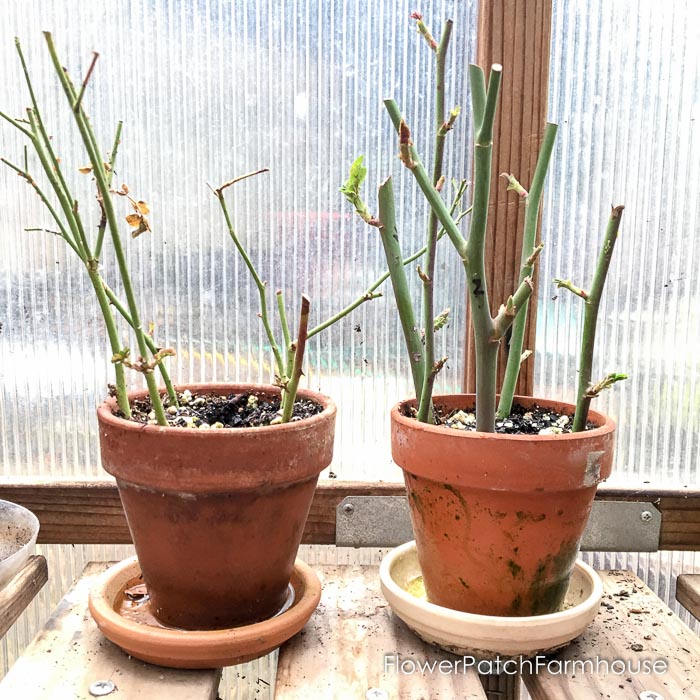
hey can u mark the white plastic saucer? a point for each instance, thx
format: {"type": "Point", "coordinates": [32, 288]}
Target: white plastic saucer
{"type": "Point", "coordinates": [19, 528]}
{"type": "Point", "coordinates": [486, 636]}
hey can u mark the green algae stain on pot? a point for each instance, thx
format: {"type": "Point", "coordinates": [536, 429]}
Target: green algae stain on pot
{"type": "Point", "coordinates": [524, 516]}
{"type": "Point", "coordinates": [497, 515]}
{"type": "Point", "coordinates": [417, 503]}
{"type": "Point", "coordinates": [551, 580]}
{"type": "Point", "coordinates": [515, 568]}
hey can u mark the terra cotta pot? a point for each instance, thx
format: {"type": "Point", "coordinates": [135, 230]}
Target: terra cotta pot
{"type": "Point", "coordinates": [217, 516]}
{"type": "Point", "coordinates": [498, 519]}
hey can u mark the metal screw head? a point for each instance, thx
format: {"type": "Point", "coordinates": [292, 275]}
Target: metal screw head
{"type": "Point", "coordinates": [646, 516]}
{"type": "Point", "coordinates": [650, 695]}
{"type": "Point", "coordinates": [99, 688]}
{"type": "Point", "coordinates": [347, 509]}
{"type": "Point", "coordinates": [376, 694]}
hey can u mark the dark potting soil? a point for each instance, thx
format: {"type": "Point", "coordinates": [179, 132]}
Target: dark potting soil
{"type": "Point", "coordinates": [521, 421]}
{"type": "Point", "coordinates": [221, 411]}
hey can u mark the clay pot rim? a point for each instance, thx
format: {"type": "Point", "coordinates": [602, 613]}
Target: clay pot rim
{"type": "Point", "coordinates": [605, 423]}
{"type": "Point", "coordinates": [105, 411]}
{"type": "Point", "coordinates": [121, 629]}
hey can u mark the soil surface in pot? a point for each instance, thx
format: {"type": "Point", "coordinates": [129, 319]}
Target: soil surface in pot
{"type": "Point", "coordinates": [521, 421]}
{"type": "Point", "coordinates": [217, 411]}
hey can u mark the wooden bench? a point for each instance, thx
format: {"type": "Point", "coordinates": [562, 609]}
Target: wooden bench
{"type": "Point", "coordinates": [21, 590]}
{"type": "Point", "coordinates": [70, 654]}
{"type": "Point", "coordinates": [633, 625]}
{"type": "Point", "coordinates": [341, 652]}
{"type": "Point", "coordinates": [688, 593]}
{"type": "Point", "coordinates": [353, 643]}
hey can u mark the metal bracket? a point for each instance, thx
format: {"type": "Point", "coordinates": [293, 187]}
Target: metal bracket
{"type": "Point", "coordinates": [384, 521]}
{"type": "Point", "coordinates": [622, 526]}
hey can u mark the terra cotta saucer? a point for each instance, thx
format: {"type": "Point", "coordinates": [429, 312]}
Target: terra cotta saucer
{"type": "Point", "coordinates": [176, 648]}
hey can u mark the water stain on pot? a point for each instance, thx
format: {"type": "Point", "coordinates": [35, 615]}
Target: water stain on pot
{"type": "Point", "coordinates": [455, 492]}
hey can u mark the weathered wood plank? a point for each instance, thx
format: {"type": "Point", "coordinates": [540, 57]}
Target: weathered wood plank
{"type": "Point", "coordinates": [19, 592]}
{"type": "Point", "coordinates": [70, 653]}
{"type": "Point", "coordinates": [517, 35]}
{"type": "Point", "coordinates": [682, 516]}
{"type": "Point", "coordinates": [633, 626]}
{"type": "Point", "coordinates": [90, 512]}
{"type": "Point", "coordinates": [688, 593]}
{"type": "Point", "coordinates": [341, 651]}
{"type": "Point", "coordinates": [72, 511]}
{"type": "Point", "coordinates": [681, 536]}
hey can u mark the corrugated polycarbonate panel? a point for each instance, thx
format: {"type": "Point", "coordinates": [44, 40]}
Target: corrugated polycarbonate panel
{"type": "Point", "coordinates": [625, 89]}
{"type": "Point", "coordinates": [209, 91]}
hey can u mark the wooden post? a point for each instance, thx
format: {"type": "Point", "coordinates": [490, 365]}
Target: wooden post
{"type": "Point", "coordinates": [515, 33]}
